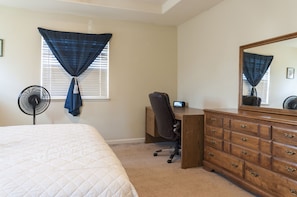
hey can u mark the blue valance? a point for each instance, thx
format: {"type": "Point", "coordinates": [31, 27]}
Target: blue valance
{"type": "Point", "coordinates": [254, 68]}
{"type": "Point", "coordinates": [75, 52]}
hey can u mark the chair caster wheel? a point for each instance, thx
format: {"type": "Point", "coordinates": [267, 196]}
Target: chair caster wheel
{"type": "Point", "coordinates": [155, 154]}
{"type": "Point", "coordinates": [169, 161]}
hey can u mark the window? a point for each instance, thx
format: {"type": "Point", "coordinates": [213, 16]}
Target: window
{"type": "Point", "coordinates": [93, 83]}
{"type": "Point", "coordinates": [262, 87]}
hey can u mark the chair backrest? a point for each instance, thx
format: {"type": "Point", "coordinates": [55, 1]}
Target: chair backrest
{"type": "Point", "coordinates": [165, 118]}
{"type": "Point", "coordinates": [251, 100]}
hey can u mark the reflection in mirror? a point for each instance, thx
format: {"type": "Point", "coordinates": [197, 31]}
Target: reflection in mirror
{"type": "Point", "coordinates": [256, 74]}
{"type": "Point", "coordinates": [290, 102]}
{"type": "Point", "coordinates": [277, 81]}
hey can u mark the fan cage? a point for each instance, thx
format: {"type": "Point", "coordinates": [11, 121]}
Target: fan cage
{"type": "Point", "coordinates": [290, 103]}
{"type": "Point", "coordinates": [36, 91]}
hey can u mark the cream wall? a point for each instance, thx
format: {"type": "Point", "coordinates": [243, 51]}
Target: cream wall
{"type": "Point", "coordinates": [208, 47]}
{"type": "Point", "coordinates": [143, 58]}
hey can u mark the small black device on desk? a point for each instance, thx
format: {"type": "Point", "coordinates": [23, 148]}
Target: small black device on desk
{"type": "Point", "coordinates": [179, 104]}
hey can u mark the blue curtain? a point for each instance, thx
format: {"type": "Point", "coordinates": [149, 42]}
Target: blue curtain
{"type": "Point", "coordinates": [75, 52]}
{"type": "Point", "coordinates": [254, 68]}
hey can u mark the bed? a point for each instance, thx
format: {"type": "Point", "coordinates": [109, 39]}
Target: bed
{"type": "Point", "coordinates": [59, 160]}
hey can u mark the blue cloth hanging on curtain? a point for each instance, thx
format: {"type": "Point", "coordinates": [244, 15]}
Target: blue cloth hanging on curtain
{"type": "Point", "coordinates": [75, 52]}
{"type": "Point", "coordinates": [254, 68]}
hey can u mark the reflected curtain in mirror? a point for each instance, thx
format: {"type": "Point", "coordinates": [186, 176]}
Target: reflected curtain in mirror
{"type": "Point", "coordinates": [254, 68]}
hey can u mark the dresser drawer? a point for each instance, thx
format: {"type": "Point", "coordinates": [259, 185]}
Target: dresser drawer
{"type": "Point", "coordinates": [227, 122]}
{"type": "Point", "coordinates": [224, 160]}
{"type": "Point", "coordinates": [227, 147]}
{"type": "Point", "coordinates": [213, 142]}
{"type": "Point", "coordinates": [265, 131]}
{"type": "Point", "coordinates": [286, 136]}
{"type": "Point", "coordinates": [245, 140]}
{"type": "Point", "coordinates": [265, 146]}
{"type": "Point", "coordinates": [246, 154]}
{"type": "Point", "coordinates": [260, 177]}
{"type": "Point", "coordinates": [246, 127]}
{"type": "Point", "coordinates": [270, 181]}
{"type": "Point", "coordinates": [214, 120]}
{"type": "Point", "coordinates": [214, 131]}
{"type": "Point", "coordinates": [286, 168]}
{"type": "Point", "coordinates": [265, 161]}
{"type": "Point", "coordinates": [286, 152]}
{"type": "Point", "coordinates": [227, 135]}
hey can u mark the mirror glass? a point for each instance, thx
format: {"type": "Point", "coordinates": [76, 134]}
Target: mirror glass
{"type": "Point", "coordinates": [280, 79]}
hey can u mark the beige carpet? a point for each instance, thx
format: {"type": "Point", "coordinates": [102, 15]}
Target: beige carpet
{"type": "Point", "coordinates": [153, 177]}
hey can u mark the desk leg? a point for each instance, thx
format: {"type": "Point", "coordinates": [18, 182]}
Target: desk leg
{"type": "Point", "coordinates": [192, 141]}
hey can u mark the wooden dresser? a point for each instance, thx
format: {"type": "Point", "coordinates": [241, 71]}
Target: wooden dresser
{"type": "Point", "coordinates": [257, 151]}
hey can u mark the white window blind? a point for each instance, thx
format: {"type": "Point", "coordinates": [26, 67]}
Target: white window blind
{"type": "Point", "coordinates": [93, 83]}
{"type": "Point", "coordinates": [262, 87]}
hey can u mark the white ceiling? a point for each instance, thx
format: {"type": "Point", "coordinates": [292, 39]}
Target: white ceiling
{"type": "Point", "coordinates": [163, 12]}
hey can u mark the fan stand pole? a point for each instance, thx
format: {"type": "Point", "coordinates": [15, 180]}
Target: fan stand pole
{"type": "Point", "coordinates": [34, 115]}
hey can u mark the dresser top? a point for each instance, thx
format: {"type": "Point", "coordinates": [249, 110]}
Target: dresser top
{"type": "Point", "coordinates": [278, 118]}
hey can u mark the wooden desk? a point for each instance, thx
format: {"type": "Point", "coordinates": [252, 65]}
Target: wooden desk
{"type": "Point", "coordinates": [192, 121]}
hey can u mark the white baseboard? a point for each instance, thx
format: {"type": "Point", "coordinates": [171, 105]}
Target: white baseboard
{"type": "Point", "coordinates": [126, 141]}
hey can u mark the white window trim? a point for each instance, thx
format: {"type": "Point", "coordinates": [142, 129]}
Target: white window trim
{"type": "Point", "coordinates": [263, 94]}
{"type": "Point", "coordinates": [105, 53]}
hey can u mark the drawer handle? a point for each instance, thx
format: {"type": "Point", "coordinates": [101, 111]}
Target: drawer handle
{"type": "Point", "coordinates": [213, 119]}
{"type": "Point", "coordinates": [210, 154]}
{"type": "Point", "coordinates": [253, 173]}
{"type": "Point", "coordinates": [244, 139]}
{"type": "Point", "coordinates": [213, 131]}
{"type": "Point", "coordinates": [289, 135]}
{"type": "Point", "coordinates": [289, 152]}
{"type": "Point", "coordinates": [290, 169]}
{"type": "Point", "coordinates": [244, 152]}
{"type": "Point", "coordinates": [293, 191]}
{"type": "Point", "coordinates": [213, 142]}
{"type": "Point", "coordinates": [243, 126]}
{"type": "Point", "coordinates": [234, 165]}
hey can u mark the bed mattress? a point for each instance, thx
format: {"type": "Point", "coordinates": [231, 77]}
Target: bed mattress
{"type": "Point", "coordinates": [59, 160]}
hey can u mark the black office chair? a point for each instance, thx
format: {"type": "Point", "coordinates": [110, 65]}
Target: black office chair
{"type": "Point", "coordinates": [251, 100]}
{"type": "Point", "coordinates": [168, 127]}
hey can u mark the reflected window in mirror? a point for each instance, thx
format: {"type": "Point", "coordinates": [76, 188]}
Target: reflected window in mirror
{"type": "Point", "coordinates": [262, 87]}
{"type": "Point", "coordinates": [256, 75]}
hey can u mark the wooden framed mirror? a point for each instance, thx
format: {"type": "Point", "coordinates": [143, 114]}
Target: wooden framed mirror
{"type": "Point", "coordinates": [281, 80]}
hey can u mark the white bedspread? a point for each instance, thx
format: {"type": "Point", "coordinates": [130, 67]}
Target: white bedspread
{"type": "Point", "coordinates": [59, 160]}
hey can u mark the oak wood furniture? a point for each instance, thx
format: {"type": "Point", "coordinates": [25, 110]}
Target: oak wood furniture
{"type": "Point", "coordinates": [192, 121]}
{"type": "Point", "coordinates": [256, 150]}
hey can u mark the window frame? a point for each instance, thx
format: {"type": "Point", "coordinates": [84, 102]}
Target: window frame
{"type": "Point", "coordinates": [100, 64]}
{"type": "Point", "coordinates": [265, 82]}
